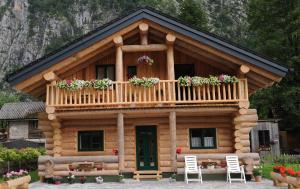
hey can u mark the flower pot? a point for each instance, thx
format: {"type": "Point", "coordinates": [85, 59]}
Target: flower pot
{"type": "Point", "coordinates": [21, 181]}
{"type": "Point", "coordinates": [99, 180]}
{"type": "Point", "coordinates": [210, 167]}
{"type": "Point", "coordinates": [257, 178]}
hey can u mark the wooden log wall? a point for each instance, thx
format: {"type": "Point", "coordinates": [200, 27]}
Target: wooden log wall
{"type": "Point", "coordinates": [69, 136]}
{"type": "Point", "coordinates": [248, 159]}
{"type": "Point", "coordinates": [244, 121]}
{"type": "Point", "coordinates": [45, 126]}
{"type": "Point", "coordinates": [158, 69]}
{"type": "Point", "coordinates": [70, 128]}
{"type": "Point", "coordinates": [224, 129]}
{"type": "Point", "coordinates": [60, 166]}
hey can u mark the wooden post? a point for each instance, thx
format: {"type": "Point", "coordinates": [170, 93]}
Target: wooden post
{"type": "Point", "coordinates": [144, 33]}
{"type": "Point", "coordinates": [170, 39]}
{"type": "Point", "coordinates": [119, 57]}
{"type": "Point", "coordinates": [56, 138]}
{"type": "Point", "coordinates": [172, 124]}
{"type": "Point", "coordinates": [241, 74]}
{"type": "Point", "coordinates": [120, 125]}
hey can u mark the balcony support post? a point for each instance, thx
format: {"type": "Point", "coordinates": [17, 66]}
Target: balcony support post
{"type": "Point", "coordinates": [57, 149]}
{"type": "Point", "coordinates": [172, 125]}
{"type": "Point", "coordinates": [144, 33]}
{"type": "Point", "coordinates": [243, 87]}
{"type": "Point", "coordinates": [120, 125]}
{"type": "Point", "coordinates": [170, 39]}
{"type": "Point", "coordinates": [119, 57]}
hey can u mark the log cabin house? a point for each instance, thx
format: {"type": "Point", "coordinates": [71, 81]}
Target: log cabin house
{"type": "Point", "coordinates": [126, 128]}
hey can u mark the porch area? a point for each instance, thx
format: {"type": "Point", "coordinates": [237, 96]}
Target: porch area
{"type": "Point", "coordinates": [144, 139]}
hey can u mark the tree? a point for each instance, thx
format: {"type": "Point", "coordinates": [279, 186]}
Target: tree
{"type": "Point", "coordinates": [275, 27]}
{"type": "Point", "coordinates": [193, 13]}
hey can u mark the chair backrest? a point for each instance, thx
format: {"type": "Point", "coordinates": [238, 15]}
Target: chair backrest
{"type": "Point", "coordinates": [190, 163]}
{"type": "Point", "coordinates": [233, 163]}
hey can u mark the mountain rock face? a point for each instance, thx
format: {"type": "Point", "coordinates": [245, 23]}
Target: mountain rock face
{"type": "Point", "coordinates": [31, 28]}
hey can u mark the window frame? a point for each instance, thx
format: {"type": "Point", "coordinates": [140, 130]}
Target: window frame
{"type": "Point", "coordinates": [105, 66]}
{"type": "Point", "coordinates": [101, 149]}
{"type": "Point", "coordinates": [195, 148]}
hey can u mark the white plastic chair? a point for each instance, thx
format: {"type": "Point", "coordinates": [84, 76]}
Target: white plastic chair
{"type": "Point", "coordinates": [192, 168]}
{"type": "Point", "coordinates": [233, 166]}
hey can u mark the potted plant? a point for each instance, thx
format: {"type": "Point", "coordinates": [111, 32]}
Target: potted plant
{"type": "Point", "coordinates": [15, 179]}
{"type": "Point", "coordinates": [121, 178]}
{"type": "Point", "coordinates": [145, 60]}
{"type": "Point", "coordinates": [71, 178]}
{"type": "Point", "coordinates": [57, 180]}
{"type": "Point", "coordinates": [185, 81]}
{"type": "Point", "coordinates": [115, 151]}
{"type": "Point", "coordinates": [99, 180]}
{"type": "Point", "coordinates": [178, 150]}
{"type": "Point", "coordinates": [82, 179]}
{"type": "Point", "coordinates": [173, 177]}
{"type": "Point", "coordinates": [211, 165]}
{"type": "Point", "coordinates": [257, 173]}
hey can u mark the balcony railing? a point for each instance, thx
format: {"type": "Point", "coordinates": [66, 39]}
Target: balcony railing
{"type": "Point", "coordinates": [166, 92]}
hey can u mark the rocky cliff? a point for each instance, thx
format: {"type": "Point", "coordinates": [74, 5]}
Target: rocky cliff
{"type": "Point", "coordinates": [31, 28]}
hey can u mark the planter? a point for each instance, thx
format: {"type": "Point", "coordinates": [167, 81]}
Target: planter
{"type": "Point", "coordinates": [257, 178]}
{"type": "Point", "coordinates": [210, 167]}
{"type": "Point", "coordinates": [18, 183]}
{"type": "Point", "coordinates": [279, 180]}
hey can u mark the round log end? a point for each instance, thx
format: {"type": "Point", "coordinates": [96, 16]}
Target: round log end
{"type": "Point", "coordinates": [143, 28]}
{"type": "Point", "coordinates": [170, 38]}
{"type": "Point", "coordinates": [118, 40]}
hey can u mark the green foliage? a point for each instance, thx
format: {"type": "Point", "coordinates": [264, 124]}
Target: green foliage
{"type": "Point", "coordinates": [6, 97]}
{"type": "Point", "coordinates": [192, 12]}
{"type": "Point", "coordinates": [283, 159]}
{"type": "Point", "coordinates": [275, 29]}
{"type": "Point", "coordinates": [26, 154]}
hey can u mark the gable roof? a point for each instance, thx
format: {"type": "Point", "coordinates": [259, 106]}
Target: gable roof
{"type": "Point", "coordinates": [159, 18]}
{"type": "Point", "coordinates": [21, 110]}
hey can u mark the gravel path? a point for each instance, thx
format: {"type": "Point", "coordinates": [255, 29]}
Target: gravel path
{"type": "Point", "coordinates": [162, 184]}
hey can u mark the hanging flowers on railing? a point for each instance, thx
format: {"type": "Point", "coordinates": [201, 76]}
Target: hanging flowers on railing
{"type": "Point", "coordinates": [187, 81]}
{"type": "Point", "coordinates": [145, 60]}
{"type": "Point", "coordinates": [228, 79]}
{"type": "Point", "coordinates": [144, 81]}
{"type": "Point", "coordinates": [73, 85]}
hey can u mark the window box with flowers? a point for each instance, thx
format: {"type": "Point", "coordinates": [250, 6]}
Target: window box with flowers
{"type": "Point", "coordinates": [282, 175]}
{"type": "Point", "coordinates": [16, 179]}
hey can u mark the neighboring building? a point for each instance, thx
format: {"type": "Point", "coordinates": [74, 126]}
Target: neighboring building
{"type": "Point", "coordinates": [21, 123]}
{"type": "Point", "coordinates": [265, 138]}
{"type": "Point", "coordinates": [126, 128]}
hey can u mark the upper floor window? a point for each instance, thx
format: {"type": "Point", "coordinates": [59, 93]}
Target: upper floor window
{"type": "Point", "coordinates": [90, 141]}
{"type": "Point", "coordinates": [131, 71]}
{"type": "Point", "coordinates": [203, 138]}
{"type": "Point", "coordinates": [105, 71]}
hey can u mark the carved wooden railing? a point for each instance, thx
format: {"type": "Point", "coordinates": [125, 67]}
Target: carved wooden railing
{"type": "Point", "coordinates": [124, 94]}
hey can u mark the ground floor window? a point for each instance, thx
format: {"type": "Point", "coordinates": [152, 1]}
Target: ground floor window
{"type": "Point", "coordinates": [90, 141]}
{"type": "Point", "coordinates": [202, 138]}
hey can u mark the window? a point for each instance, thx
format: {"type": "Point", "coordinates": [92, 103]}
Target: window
{"type": "Point", "coordinates": [105, 71]}
{"type": "Point", "coordinates": [90, 141]}
{"type": "Point", "coordinates": [131, 71]}
{"type": "Point", "coordinates": [203, 138]}
{"type": "Point", "coordinates": [33, 131]}
{"type": "Point", "coordinates": [264, 138]}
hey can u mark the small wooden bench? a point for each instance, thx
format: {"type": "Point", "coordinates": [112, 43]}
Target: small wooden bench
{"type": "Point", "coordinates": [147, 175]}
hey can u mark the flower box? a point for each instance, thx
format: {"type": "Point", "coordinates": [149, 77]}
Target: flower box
{"type": "Point", "coordinates": [279, 180]}
{"type": "Point", "coordinates": [18, 183]}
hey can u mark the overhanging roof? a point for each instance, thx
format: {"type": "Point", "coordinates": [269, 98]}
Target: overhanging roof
{"type": "Point", "coordinates": [156, 17]}
{"type": "Point", "coordinates": [21, 110]}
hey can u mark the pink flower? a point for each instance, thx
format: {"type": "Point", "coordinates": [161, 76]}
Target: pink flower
{"type": "Point", "coordinates": [68, 82]}
{"type": "Point", "coordinates": [222, 77]}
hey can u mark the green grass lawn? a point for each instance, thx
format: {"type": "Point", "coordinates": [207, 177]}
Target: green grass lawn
{"type": "Point", "coordinates": [267, 168]}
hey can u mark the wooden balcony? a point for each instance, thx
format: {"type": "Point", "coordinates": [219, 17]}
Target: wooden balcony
{"type": "Point", "coordinates": [165, 93]}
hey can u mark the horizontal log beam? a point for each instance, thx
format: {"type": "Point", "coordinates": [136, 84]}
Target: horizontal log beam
{"type": "Point", "coordinates": [71, 159]}
{"type": "Point", "coordinates": [142, 48]}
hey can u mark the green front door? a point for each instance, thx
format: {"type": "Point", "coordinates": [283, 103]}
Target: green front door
{"type": "Point", "coordinates": [146, 148]}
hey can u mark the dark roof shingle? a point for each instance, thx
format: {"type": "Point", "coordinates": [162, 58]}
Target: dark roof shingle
{"type": "Point", "coordinates": [21, 110]}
